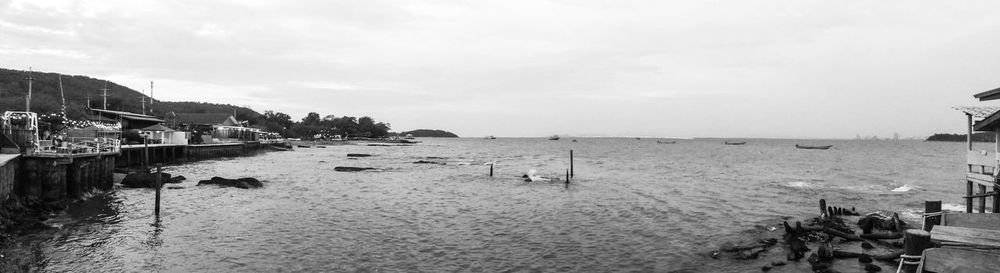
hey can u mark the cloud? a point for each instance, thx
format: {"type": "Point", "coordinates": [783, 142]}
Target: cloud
{"type": "Point", "coordinates": [528, 60]}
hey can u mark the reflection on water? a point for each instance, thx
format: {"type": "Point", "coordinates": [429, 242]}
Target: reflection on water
{"type": "Point", "coordinates": [634, 206]}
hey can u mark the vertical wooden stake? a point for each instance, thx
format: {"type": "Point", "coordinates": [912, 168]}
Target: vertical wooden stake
{"type": "Point", "coordinates": [567, 179]}
{"type": "Point", "coordinates": [822, 206]}
{"type": "Point", "coordinates": [491, 169]}
{"type": "Point", "coordinates": [931, 207]}
{"type": "Point", "coordinates": [158, 173]}
{"type": "Point", "coordinates": [145, 153]}
{"type": "Point", "coordinates": [570, 163]}
{"type": "Point", "coordinates": [968, 199]}
{"type": "Point", "coordinates": [914, 243]}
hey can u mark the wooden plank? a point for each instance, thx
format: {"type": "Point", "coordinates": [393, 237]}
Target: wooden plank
{"type": "Point", "coordinates": [972, 220]}
{"type": "Point", "coordinates": [981, 158]}
{"type": "Point", "coordinates": [964, 235]}
{"type": "Point", "coordinates": [960, 260]}
{"type": "Point", "coordinates": [982, 179]}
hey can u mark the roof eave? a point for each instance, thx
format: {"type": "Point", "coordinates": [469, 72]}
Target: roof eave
{"type": "Point", "coordinates": [988, 95]}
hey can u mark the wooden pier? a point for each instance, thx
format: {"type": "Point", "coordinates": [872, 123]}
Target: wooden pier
{"type": "Point", "coordinates": [981, 180]}
{"type": "Point", "coordinates": [53, 178]}
{"type": "Point", "coordinates": [965, 242]}
{"type": "Point", "coordinates": [133, 155]}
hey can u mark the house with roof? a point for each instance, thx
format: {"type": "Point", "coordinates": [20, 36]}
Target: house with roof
{"type": "Point", "coordinates": [129, 120]}
{"type": "Point", "coordinates": [212, 127]}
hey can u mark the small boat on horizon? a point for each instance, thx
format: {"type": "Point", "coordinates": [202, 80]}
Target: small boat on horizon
{"type": "Point", "coordinates": [809, 147]}
{"type": "Point", "coordinates": [736, 143]}
{"type": "Point", "coordinates": [491, 137]}
{"type": "Point", "coordinates": [666, 142]}
{"type": "Point", "coordinates": [554, 137]}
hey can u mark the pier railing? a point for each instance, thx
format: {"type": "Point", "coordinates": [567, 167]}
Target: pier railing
{"type": "Point", "coordinates": [79, 145]}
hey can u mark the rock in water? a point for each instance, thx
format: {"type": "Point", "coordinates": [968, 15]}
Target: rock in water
{"type": "Point", "coordinates": [865, 259]}
{"type": "Point", "coordinates": [243, 183]}
{"type": "Point", "coordinates": [144, 180]}
{"type": "Point", "coordinates": [177, 179]}
{"type": "Point", "coordinates": [351, 169]}
{"type": "Point", "coordinates": [358, 155]}
{"type": "Point", "coordinates": [872, 268]}
{"type": "Point", "coordinates": [429, 162]}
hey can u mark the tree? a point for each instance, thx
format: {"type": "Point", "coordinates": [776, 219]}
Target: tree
{"type": "Point", "coordinates": [311, 119]}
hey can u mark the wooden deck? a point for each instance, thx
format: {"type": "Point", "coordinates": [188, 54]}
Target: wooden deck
{"type": "Point", "coordinates": [966, 236]}
{"type": "Point", "coordinates": [970, 242]}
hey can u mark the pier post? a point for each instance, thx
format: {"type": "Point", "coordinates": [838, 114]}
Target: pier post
{"type": "Point", "coordinates": [570, 163]}
{"type": "Point", "coordinates": [996, 199]}
{"type": "Point", "coordinates": [931, 207]}
{"type": "Point", "coordinates": [969, 193]}
{"type": "Point", "coordinates": [914, 243]}
{"type": "Point", "coordinates": [156, 211]}
{"type": "Point", "coordinates": [145, 152]}
{"type": "Point", "coordinates": [491, 169]}
{"type": "Point", "coordinates": [74, 180]}
{"type": "Point", "coordinates": [822, 207]}
{"type": "Point", "coordinates": [982, 200]}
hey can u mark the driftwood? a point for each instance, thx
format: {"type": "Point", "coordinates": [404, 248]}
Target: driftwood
{"type": "Point", "coordinates": [883, 236]}
{"type": "Point", "coordinates": [841, 234]}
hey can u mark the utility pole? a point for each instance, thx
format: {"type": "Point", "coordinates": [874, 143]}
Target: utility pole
{"type": "Point", "coordinates": [150, 97]}
{"type": "Point", "coordinates": [88, 100]}
{"type": "Point", "coordinates": [105, 94]}
{"type": "Point", "coordinates": [27, 99]}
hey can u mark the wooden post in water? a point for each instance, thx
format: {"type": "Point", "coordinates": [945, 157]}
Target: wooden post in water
{"type": "Point", "coordinates": [968, 199]}
{"type": "Point", "coordinates": [158, 173]}
{"type": "Point", "coordinates": [491, 169]}
{"type": "Point", "coordinates": [145, 153]}
{"type": "Point", "coordinates": [822, 207]}
{"type": "Point", "coordinates": [567, 178]}
{"type": "Point", "coordinates": [570, 163]}
{"type": "Point", "coordinates": [914, 243]}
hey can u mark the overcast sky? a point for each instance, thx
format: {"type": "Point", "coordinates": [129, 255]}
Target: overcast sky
{"type": "Point", "coordinates": [810, 69]}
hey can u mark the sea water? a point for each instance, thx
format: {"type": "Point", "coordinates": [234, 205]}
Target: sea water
{"type": "Point", "coordinates": [632, 205]}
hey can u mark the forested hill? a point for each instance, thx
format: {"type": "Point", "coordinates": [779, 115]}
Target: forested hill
{"type": "Point", "coordinates": [429, 133]}
{"type": "Point", "coordinates": [45, 96]}
{"type": "Point", "coordinates": [977, 137]}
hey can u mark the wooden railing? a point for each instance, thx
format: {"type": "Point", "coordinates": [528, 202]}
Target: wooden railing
{"type": "Point", "coordinates": [982, 173]}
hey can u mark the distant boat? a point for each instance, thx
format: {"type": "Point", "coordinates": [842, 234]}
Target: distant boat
{"type": "Point", "coordinates": [666, 142]}
{"type": "Point", "coordinates": [822, 147]}
{"type": "Point", "coordinates": [554, 137]}
{"type": "Point", "coordinates": [491, 137]}
{"type": "Point", "coordinates": [574, 140]}
{"type": "Point", "coordinates": [637, 138]}
{"type": "Point", "coordinates": [409, 136]}
{"type": "Point", "coordinates": [735, 143]}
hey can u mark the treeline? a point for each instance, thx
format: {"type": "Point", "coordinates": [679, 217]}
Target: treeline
{"type": "Point", "coordinates": [977, 137]}
{"type": "Point", "coordinates": [312, 126]}
{"type": "Point", "coordinates": [429, 133]}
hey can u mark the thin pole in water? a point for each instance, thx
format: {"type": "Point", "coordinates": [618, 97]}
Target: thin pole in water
{"type": "Point", "coordinates": [567, 179]}
{"type": "Point", "coordinates": [158, 173]}
{"type": "Point", "coordinates": [491, 169]}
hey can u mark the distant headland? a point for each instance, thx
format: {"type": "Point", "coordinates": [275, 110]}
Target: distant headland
{"type": "Point", "coordinates": [429, 133]}
{"type": "Point", "coordinates": [977, 137]}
